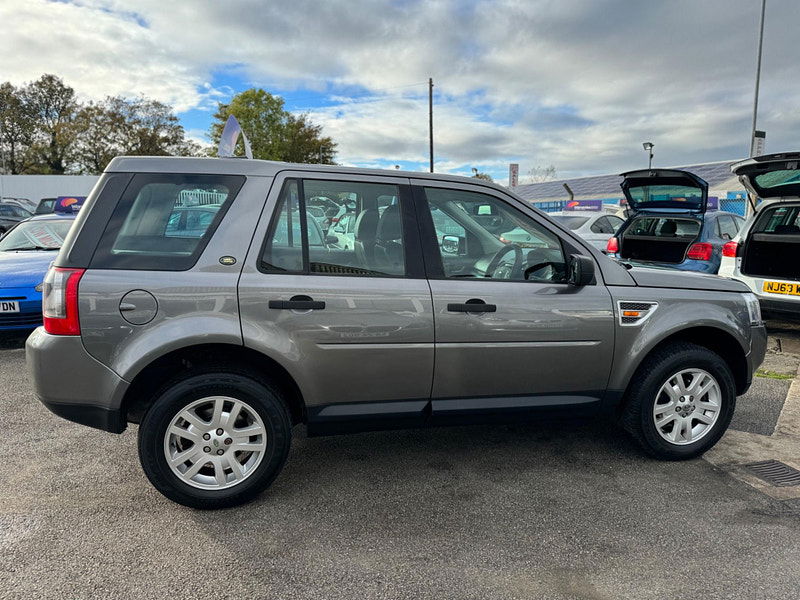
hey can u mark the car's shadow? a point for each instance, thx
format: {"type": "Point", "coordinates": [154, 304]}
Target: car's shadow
{"type": "Point", "coordinates": [13, 340]}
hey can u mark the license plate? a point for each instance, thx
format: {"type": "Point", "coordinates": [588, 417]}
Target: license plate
{"type": "Point", "coordinates": [9, 306]}
{"type": "Point", "coordinates": [778, 287]}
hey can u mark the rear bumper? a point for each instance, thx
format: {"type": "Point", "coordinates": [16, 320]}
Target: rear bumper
{"type": "Point", "coordinates": [780, 308]}
{"type": "Point", "coordinates": [74, 385]}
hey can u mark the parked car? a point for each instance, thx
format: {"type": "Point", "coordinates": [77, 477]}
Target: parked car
{"type": "Point", "coordinates": [669, 224]}
{"type": "Point", "coordinates": [10, 215]}
{"type": "Point", "coordinates": [596, 227]}
{"type": "Point", "coordinates": [24, 203]}
{"type": "Point", "coordinates": [765, 255]}
{"type": "Point", "coordinates": [45, 206]}
{"type": "Point", "coordinates": [26, 252]}
{"type": "Point", "coordinates": [218, 345]}
{"type": "Point", "coordinates": [190, 221]}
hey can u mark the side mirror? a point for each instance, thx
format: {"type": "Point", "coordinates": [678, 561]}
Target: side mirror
{"type": "Point", "coordinates": [581, 270]}
{"type": "Point", "coordinates": [331, 239]}
{"type": "Point", "coordinates": [453, 244]}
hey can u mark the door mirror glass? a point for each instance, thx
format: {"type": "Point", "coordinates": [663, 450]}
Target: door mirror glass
{"type": "Point", "coordinates": [453, 244]}
{"type": "Point", "coordinates": [581, 270]}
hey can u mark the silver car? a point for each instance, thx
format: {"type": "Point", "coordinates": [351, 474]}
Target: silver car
{"type": "Point", "coordinates": [217, 345]}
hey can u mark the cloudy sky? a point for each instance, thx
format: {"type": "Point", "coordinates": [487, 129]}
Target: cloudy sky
{"type": "Point", "coordinates": [578, 84]}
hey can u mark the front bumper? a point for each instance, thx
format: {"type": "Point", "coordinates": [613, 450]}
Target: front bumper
{"type": "Point", "coordinates": [73, 384]}
{"type": "Point", "coordinates": [30, 309]}
{"type": "Point", "coordinates": [758, 349]}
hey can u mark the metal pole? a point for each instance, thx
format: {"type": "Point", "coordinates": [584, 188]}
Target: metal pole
{"type": "Point", "coordinates": [650, 160]}
{"type": "Point", "coordinates": [758, 78]}
{"type": "Point", "coordinates": [430, 118]}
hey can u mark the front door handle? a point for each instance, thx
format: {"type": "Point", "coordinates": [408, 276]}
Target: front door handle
{"type": "Point", "coordinates": [297, 303]}
{"type": "Point", "coordinates": [474, 305]}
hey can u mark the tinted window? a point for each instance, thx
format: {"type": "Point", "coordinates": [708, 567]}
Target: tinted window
{"type": "Point", "coordinates": [481, 236]}
{"type": "Point", "coordinates": [163, 222]}
{"type": "Point", "coordinates": [366, 239]}
{"type": "Point", "coordinates": [782, 220]}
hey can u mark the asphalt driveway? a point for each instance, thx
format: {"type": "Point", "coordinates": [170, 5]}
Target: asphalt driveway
{"type": "Point", "coordinates": [527, 511]}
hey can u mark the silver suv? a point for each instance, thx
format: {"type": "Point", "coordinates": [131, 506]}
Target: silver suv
{"type": "Point", "coordinates": [219, 338]}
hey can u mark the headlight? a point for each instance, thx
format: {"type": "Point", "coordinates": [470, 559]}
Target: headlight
{"type": "Point", "coordinates": [39, 287]}
{"type": "Point", "coordinates": [753, 308]}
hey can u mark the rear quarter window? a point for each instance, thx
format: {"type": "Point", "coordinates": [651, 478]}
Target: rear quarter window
{"type": "Point", "coordinates": [163, 222]}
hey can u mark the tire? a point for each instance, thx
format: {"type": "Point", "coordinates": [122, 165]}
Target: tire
{"type": "Point", "coordinates": [267, 438]}
{"type": "Point", "coordinates": [689, 424]}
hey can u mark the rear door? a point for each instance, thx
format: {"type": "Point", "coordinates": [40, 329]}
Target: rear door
{"type": "Point", "coordinates": [506, 340]}
{"type": "Point", "coordinates": [353, 324]}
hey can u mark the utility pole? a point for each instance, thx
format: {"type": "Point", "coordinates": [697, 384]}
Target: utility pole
{"type": "Point", "coordinates": [758, 78]}
{"type": "Point", "coordinates": [430, 117]}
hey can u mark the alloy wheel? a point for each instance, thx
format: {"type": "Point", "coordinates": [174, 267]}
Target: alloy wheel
{"type": "Point", "coordinates": [215, 443]}
{"type": "Point", "coordinates": [687, 406]}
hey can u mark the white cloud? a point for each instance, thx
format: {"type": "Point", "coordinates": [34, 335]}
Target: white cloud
{"type": "Point", "coordinates": [574, 83]}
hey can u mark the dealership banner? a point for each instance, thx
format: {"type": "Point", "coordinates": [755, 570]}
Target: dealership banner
{"type": "Point", "coordinates": [584, 205]}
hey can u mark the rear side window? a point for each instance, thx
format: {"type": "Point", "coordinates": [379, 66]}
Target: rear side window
{"type": "Point", "coordinates": [163, 222]}
{"type": "Point", "coordinates": [782, 220]}
{"type": "Point", "coordinates": [728, 227]}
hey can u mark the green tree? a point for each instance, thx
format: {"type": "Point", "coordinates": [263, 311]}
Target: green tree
{"type": "Point", "coordinates": [53, 107]}
{"type": "Point", "coordinates": [16, 131]}
{"type": "Point", "coordinates": [118, 126]}
{"type": "Point", "coordinates": [274, 133]}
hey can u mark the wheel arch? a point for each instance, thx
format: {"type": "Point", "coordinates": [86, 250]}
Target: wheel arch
{"type": "Point", "coordinates": [719, 341]}
{"type": "Point", "coordinates": [139, 395]}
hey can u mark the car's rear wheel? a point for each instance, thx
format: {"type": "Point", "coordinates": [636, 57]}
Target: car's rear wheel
{"type": "Point", "coordinates": [214, 440]}
{"type": "Point", "coordinates": [680, 402]}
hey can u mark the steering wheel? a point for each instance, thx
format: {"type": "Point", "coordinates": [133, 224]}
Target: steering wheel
{"type": "Point", "coordinates": [516, 268]}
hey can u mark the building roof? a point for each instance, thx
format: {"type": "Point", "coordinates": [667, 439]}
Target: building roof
{"type": "Point", "coordinates": [717, 174]}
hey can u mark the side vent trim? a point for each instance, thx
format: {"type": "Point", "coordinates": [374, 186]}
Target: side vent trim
{"type": "Point", "coordinates": [632, 313]}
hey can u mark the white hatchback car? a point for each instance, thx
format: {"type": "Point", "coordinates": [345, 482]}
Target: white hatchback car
{"type": "Point", "coordinates": [766, 253]}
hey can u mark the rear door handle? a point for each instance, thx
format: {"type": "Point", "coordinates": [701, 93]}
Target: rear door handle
{"type": "Point", "coordinates": [474, 305]}
{"type": "Point", "coordinates": [297, 303]}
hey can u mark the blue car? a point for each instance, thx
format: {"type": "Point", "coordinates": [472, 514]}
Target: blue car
{"type": "Point", "coordinates": [26, 252]}
{"type": "Point", "coordinates": [670, 225]}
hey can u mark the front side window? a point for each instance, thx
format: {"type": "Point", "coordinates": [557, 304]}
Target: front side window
{"type": "Point", "coordinates": [336, 228]}
{"type": "Point", "coordinates": [164, 221]}
{"type": "Point", "coordinates": [480, 236]}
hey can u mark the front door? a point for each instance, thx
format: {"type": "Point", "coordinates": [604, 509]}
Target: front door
{"type": "Point", "coordinates": [510, 332]}
{"type": "Point", "coordinates": [351, 321]}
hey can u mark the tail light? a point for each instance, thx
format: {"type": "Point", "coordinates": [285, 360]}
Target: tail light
{"type": "Point", "coordinates": [60, 301]}
{"type": "Point", "coordinates": [335, 219]}
{"type": "Point", "coordinates": [700, 251]}
{"type": "Point", "coordinates": [730, 248]}
{"type": "Point", "coordinates": [612, 247]}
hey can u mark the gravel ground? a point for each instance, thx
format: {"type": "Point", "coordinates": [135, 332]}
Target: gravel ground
{"type": "Point", "coordinates": [535, 511]}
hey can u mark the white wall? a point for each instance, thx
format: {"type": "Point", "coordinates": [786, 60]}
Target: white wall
{"type": "Point", "coordinates": [36, 187]}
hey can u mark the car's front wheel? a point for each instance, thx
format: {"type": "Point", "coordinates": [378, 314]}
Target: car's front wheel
{"type": "Point", "coordinates": [214, 440]}
{"type": "Point", "coordinates": [680, 402]}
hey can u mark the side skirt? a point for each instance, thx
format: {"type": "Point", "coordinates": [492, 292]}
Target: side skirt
{"type": "Point", "coordinates": [335, 419]}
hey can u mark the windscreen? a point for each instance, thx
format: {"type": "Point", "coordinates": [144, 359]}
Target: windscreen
{"type": "Point", "coordinates": [36, 235]}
